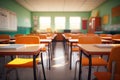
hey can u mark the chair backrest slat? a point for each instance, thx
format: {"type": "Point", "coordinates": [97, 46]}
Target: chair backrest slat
{"type": "Point", "coordinates": [27, 40]}
{"type": "Point", "coordinates": [90, 40]}
{"type": "Point", "coordinates": [114, 56]}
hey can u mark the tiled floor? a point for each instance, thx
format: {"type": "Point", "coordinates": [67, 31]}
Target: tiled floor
{"type": "Point", "coordinates": [59, 68]}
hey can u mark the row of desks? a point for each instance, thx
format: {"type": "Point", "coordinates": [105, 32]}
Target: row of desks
{"type": "Point", "coordinates": [89, 50]}
{"type": "Point", "coordinates": [30, 49]}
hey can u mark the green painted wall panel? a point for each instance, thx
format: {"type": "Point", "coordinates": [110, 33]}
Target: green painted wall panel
{"type": "Point", "coordinates": [23, 16]}
{"type": "Point", "coordinates": [105, 9]}
{"type": "Point", "coordinates": [21, 30]}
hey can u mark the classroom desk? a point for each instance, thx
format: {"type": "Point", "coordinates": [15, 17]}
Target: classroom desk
{"type": "Point", "coordinates": [106, 41]}
{"type": "Point", "coordinates": [89, 50]}
{"type": "Point", "coordinates": [27, 49]}
{"type": "Point", "coordinates": [49, 42]}
{"type": "Point", "coordinates": [4, 40]}
{"type": "Point", "coordinates": [116, 40]}
{"type": "Point", "coordinates": [46, 41]}
{"type": "Point", "coordinates": [108, 38]}
{"type": "Point", "coordinates": [71, 41]}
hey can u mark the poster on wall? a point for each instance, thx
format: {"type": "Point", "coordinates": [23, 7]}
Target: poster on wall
{"type": "Point", "coordinates": [8, 20]}
{"type": "Point", "coordinates": [105, 19]}
{"type": "Point", "coordinates": [116, 15]}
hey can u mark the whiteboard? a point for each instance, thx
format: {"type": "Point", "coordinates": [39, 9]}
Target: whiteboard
{"type": "Point", "coordinates": [8, 20]}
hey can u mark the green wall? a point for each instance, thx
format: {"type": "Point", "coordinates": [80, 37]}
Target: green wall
{"type": "Point", "coordinates": [66, 14]}
{"type": "Point", "coordinates": [105, 9]}
{"type": "Point", "coordinates": [23, 17]}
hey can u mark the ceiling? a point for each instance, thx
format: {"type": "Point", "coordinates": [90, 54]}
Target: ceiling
{"type": "Point", "coordinates": [60, 5]}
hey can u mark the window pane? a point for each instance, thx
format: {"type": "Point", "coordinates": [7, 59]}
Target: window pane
{"type": "Point", "coordinates": [75, 22]}
{"type": "Point", "coordinates": [59, 22]}
{"type": "Point", "coordinates": [44, 22]}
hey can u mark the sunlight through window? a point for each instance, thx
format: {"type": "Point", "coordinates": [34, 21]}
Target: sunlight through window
{"type": "Point", "coordinates": [75, 23]}
{"type": "Point", "coordinates": [60, 23]}
{"type": "Point", "coordinates": [44, 23]}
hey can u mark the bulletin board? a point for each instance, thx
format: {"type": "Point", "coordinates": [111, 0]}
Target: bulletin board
{"type": "Point", "coordinates": [116, 15]}
{"type": "Point", "coordinates": [105, 19]}
{"type": "Point", "coordinates": [8, 20]}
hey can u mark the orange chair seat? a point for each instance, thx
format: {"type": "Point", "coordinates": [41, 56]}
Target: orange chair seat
{"type": "Point", "coordinates": [46, 44]}
{"type": "Point", "coordinates": [96, 61]}
{"type": "Point", "coordinates": [43, 49]}
{"type": "Point", "coordinates": [21, 63]}
{"type": "Point", "coordinates": [105, 76]}
{"type": "Point", "coordinates": [74, 44]}
{"type": "Point", "coordinates": [75, 49]}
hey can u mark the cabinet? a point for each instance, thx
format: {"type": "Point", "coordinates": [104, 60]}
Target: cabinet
{"type": "Point", "coordinates": [59, 37]}
{"type": "Point", "coordinates": [94, 24]}
{"type": "Point", "coordinates": [84, 24]}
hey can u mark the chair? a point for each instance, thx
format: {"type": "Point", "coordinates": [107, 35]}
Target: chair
{"type": "Point", "coordinates": [48, 45]}
{"type": "Point", "coordinates": [91, 34]}
{"type": "Point", "coordinates": [96, 61]}
{"type": "Point", "coordinates": [74, 47]}
{"type": "Point", "coordinates": [113, 66]}
{"type": "Point", "coordinates": [26, 62]}
{"type": "Point", "coordinates": [106, 36]}
{"type": "Point", "coordinates": [18, 35]}
{"type": "Point", "coordinates": [49, 30]}
{"type": "Point", "coordinates": [115, 36]}
{"type": "Point", "coordinates": [6, 37]}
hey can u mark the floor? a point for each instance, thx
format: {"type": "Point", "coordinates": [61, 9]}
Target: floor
{"type": "Point", "coordinates": [59, 68]}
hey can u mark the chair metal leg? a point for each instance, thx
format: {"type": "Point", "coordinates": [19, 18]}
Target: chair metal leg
{"type": "Point", "coordinates": [38, 72]}
{"type": "Point", "coordinates": [17, 77]}
{"type": "Point", "coordinates": [76, 69]}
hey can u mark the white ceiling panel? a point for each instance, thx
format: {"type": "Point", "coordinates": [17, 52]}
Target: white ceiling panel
{"type": "Point", "coordinates": [60, 5]}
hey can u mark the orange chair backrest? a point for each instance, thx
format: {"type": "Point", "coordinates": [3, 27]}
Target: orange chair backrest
{"type": "Point", "coordinates": [105, 35]}
{"type": "Point", "coordinates": [43, 36]}
{"type": "Point", "coordinates": [89, 40]}
{"type": "Point", "coordinates": [27, 40]}
{"type": "Point", "coordinates": [76, 36]}
{"type": "Point", "coordinates": [114, 56]}
{"type": "Point", "coordinates": [49, 30]}
{"type": "Point", "coordinates": [116, 36]}
{"type": "Point", "coordinates": [90, 34]}
{"type": "Point", "coordinates": [67, 34]}
{"type": "Point", "coordinates": [4, 36]}
{"type": "Point", "coordinates": [18, 35]}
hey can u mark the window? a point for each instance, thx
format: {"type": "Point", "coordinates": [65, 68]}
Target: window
{"type": "Point", "coordinates": [60, 22]}
{"type": "Point", "coordinates": [44, 23]}
{"type": "Point", "coordinates": [75, 23]}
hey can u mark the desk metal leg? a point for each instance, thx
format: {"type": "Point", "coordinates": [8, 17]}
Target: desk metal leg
{"type": "Point", "coordinates": [80, 64]}
{"type": "Point", "coordinates": [70, 55]}
{"type": "Point", "coordinates": [49, 54]}
{"type": "Point", "coordinates": [67, 49]}
{"type": "Point", "coordinates": [90, 64]}
{"type": "Point", "coordinates": [51, 50]}
{"type": "Point", "coordinates": [43, 67]}
{"type": "Point", "coordinates": [34, 67]}
{"type": "Point", "coordinates": [2, 68]}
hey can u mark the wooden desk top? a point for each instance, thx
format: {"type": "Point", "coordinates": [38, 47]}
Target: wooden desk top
{"type": "Point", "coordinates": [45, 40]}
{"type": "Point", "coordinates": [2, 40]}
{"type": "Point", "coordinates": [94, 50]}
{"type": "Point", "coordinates": [116, 40]}
{"type": "Point", "coordinates": [107, 38]}
{"type": "Point", "coordinates": [41, 40]}
{"type": "Point", "coordinates": [106, 41]}
{"type": "Point", "coordinates": [73, 40]}
{"type": "Point", "coordinates": [28, 49]}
